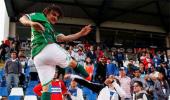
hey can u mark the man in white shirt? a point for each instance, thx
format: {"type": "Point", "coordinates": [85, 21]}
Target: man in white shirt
{"type": "Point", "coordinates": [124, 83]}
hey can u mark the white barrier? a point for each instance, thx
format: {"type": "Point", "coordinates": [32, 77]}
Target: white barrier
{"type": "Point", "coordinates": [30, 97]}
{"type": "Point", "coordinates": [17, 91]}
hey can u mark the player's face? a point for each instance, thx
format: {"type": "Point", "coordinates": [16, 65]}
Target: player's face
{"type": "Point", "coordinates": [53, 17]}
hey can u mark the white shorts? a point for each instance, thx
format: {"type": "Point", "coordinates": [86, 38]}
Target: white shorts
{"type": "Point", "coordinates": [47, 60]}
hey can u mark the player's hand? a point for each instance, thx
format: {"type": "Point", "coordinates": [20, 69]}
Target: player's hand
{"type": "Point", "coordinates": [37, 26]}
{"type": "Point", "coordinates": [85, 30]}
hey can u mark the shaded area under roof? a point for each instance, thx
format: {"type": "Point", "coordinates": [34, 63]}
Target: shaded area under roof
{"type": "Point", "coordinates": [146, 12]}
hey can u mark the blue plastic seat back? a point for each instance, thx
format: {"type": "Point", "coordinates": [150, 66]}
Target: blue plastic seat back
{"type": "Point", "coordinates": [29, 91]}
{"type": "Point", "coordinates": [3, 91]}
{"type": "Point", "coordinates": [15, 97]}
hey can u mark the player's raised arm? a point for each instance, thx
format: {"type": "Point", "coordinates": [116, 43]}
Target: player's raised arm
{"type": "Point", "coordinates": [27, 22]}
{"type": "Point", "coordinates": [83, 32]}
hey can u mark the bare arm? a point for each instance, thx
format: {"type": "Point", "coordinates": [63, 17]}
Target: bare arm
{"type": "Point", "coordinates": [27, 22]}
{"type": "Point", "coordinates": [83, 32]}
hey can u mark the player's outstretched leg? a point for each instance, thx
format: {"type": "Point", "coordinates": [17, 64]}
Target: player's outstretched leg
{"type": "Point", "coordinates": [78, 68]}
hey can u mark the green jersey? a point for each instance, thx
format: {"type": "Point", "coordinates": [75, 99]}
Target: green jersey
{"type": "Point", "coordinates": [40, 40]}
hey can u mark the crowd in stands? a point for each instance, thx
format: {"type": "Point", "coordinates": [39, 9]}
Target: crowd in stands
{"type": "Point", "coordinates": [140, 73]}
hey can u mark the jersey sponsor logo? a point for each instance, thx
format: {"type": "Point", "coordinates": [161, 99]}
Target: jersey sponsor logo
{"type": "Point", "coordinates": [55, 90]}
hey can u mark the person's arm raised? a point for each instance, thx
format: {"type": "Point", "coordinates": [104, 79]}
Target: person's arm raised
{"type": "Point", "coordinates": [83, 32]}
{"type": "Point", "coordinates": [27, 22]}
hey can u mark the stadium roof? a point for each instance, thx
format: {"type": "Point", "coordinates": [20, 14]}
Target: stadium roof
{"type": "Point", "coordinates": [145, 12]}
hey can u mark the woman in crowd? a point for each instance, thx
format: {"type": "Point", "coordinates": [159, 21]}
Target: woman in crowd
{"type": "Point", "coordinates": [89, 67]}
{"type": "Point", "coordinates": [57, 88]}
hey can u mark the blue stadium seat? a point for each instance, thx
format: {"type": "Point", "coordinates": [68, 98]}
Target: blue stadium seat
{"type": "Point", "coordinates": [86, 91]}
{"type": "Point", "coordinates": [3, 91]}
{"type": "Point", "coordinates": [29, 91]}
{"type": "Point", "coordinates": [92, 96]}
{"type": "Point", "coordinates": [15, 98]}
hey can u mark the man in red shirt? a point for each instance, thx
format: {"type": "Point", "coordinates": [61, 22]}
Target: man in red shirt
{"type": "Point", "coordinates": [57, 89]}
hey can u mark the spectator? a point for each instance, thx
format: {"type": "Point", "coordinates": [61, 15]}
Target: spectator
{"type": "Point", "coordinates": [164, 69]}
{"type": "Point", "coordinates": [156, 61]}
{"type": "Point", "coordinates": [130, 55]}
{"type": "Point", "coordinates": [120, 58]}
{"type": "Point", "coordinates": [33, 71]}
{"type": "Point", "coordinates": [150, 87]}
{"type": "Point", "coordinates": [162, 87]}
{"type": "Point", "coordinates": [124, 83]}
{"type": "Point", "coordinates": [139, 93]}
{"type": "Point", "coordinates": [147, 62]}
{"type": "Point", "coordinates": [137, 77]}
{"type": "Point", "coordinates": [99, 53]}
{"type": "Point", "coordinates": [164, 57]}
{"type": "Point", "coordinates": [101, 70]}
{"type": "Point", "coordinates": [61, 72]}
{"type": "Point", "coordinates": [24, 65]}
{"type": "Point", "coordinates": [89, 67]}
{"type": "Point", "coordinates": [71, 51]}
{"type": "Point", "coordinates": [86, 45]}
{"type": "Point", "coordinates": [74, 93]}
{"type": "Point", "coordinates": [112, 91]}
{"type": "Point", "coordinates": [153, 74]}
{"type": "Point", "coordinates": [15, 46]}
{"type": "Point", "coordinates": [107, 52]}
{"type": "Point", "coordinates": [3, 50]}
{"type": "Point", "coordinates": [131, 68]}
{"type": "Point", "coordinates": [57, 88]}
{"type": "Point", "coordinates": [80, 55]}
{"type": "Point", "coordinates": [13, 69]}
{"type": "Point", "coordinates": [113, 57]}
{"type": "Point", "coordinates": [143, 57]}
{"type": "Point", "coordinates": [91, 53]}
{"type": "Point", "coordinates": [112, 68]}
{"type": "Point", "coordinates": [142, 69]}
